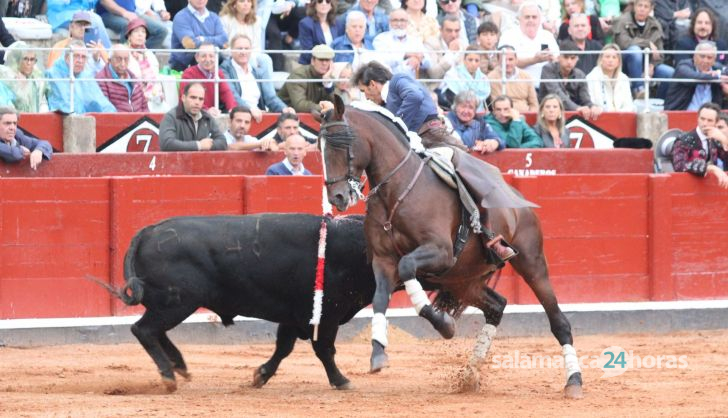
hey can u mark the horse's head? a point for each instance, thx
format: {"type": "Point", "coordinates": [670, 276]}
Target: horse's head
{"type": "Point", "coordinates": [341, 152]}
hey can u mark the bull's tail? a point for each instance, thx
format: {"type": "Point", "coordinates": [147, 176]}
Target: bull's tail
{"type": "Point", "coordinates": [133, 290]}
{"type": "Point", "coordinates": [130, 294]}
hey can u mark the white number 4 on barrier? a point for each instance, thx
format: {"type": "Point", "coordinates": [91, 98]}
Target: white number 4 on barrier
{"type": "Point", "coordinates": [153, 163]}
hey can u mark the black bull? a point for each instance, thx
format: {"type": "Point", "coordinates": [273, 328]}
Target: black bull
{"type": "Point", "coordinates": [260, 266]}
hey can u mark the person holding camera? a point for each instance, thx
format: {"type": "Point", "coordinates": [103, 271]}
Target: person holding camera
{"type": "Point", "coordinates": [80, 29]}
{"type": "Point", "coordinates": [711, 84]}
{"type": "Point", "coordinates": [704, 150]}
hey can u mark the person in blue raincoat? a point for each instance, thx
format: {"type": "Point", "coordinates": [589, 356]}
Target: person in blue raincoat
{"type": "Point", "coordinates": [87, 94]}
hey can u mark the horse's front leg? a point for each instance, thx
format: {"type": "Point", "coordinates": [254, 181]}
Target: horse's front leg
{"type": "Point", "coordinates": [384, 279]}
{"type": "Point", "coordinates": [428, 258]}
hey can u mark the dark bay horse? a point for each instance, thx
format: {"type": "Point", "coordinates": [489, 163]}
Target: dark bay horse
{"type": "Point", "coordinates": [411, 223]}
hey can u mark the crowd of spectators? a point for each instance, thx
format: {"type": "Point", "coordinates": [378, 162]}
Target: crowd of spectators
{"type": "Point", "coordinates": [483, 67]}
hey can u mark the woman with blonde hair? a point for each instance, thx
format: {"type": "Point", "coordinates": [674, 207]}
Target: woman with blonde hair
{"type": "Point", "coordinates": [27, 84]}
{"type": "Point", "coordinates": [550, 125]}
{"type": "Point", "coordinates": [608, 86]}
{"type": "Point", "coordinates": [238, 17]}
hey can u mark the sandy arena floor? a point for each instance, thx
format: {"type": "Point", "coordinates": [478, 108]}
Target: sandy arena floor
{"type": "Point", "coordinates": [121, 380]}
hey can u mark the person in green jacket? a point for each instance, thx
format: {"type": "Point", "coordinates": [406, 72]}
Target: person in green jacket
{"type": "Point", "coordinates": [506, 122]}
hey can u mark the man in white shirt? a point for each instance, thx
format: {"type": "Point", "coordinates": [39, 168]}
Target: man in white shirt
{"type": "Point", "coordinates": [402, 53]}
{"type": "Point", "coordinates": [237, 135]}
{"type": "Point", "coordinates": [534, 45]}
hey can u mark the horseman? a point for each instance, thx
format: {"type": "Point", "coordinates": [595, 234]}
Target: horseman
{"type": "Point", "coordinates": [411, 101]}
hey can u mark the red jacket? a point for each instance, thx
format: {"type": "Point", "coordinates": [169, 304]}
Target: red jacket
{"type": "Point", "coordinates": [118, 94]}
{"type": "Point", "coordinates": [227, 98]}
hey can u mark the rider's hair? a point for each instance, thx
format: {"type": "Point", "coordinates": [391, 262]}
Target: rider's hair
{"type": "Point", "coordinates": [372, 71]}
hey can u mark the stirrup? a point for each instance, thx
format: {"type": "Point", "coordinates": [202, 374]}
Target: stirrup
{"type": "Point", "coordinates": [501, 260]}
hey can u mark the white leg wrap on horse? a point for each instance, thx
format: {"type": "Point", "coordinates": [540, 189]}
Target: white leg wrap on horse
{"type": "Point", "coordinates": [482, 345]}
{"type": "Point", "coordinates": [379, 329]}
{"type": "Point", "coordinates": [571, 362]}
{"type": "Point", "coordinates": [417, 296]}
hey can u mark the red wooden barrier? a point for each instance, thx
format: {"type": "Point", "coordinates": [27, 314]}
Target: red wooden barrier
{"type": "Point", "coordinates": [629, 237]}
{"type": "Point", "coordinates": [110, 127]}
{"type": "Point", "coordinates": [518, 162]}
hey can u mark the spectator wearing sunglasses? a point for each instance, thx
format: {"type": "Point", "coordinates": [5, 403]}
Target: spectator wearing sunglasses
{"type": "Point", "coordinates": [24, 79]}
{"type": "Point", "coordinates": [317, 28]}
{"type": "Point", "coordinates": [468, 24]}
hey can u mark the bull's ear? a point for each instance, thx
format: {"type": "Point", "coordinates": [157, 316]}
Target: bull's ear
{"type": "Point", "coordinates": [339, 107]}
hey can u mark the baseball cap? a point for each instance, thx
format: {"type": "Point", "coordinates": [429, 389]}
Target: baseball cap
{"type": "Point", "coordinates": [81, 17]}
{"type": "Point", "coordinates": [322, 52]}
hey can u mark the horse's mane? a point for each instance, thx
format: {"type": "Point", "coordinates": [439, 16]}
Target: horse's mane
{"type": "Point", "coordinates": [394, 128]}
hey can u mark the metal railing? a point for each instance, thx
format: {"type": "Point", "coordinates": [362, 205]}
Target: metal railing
{"type": "Point", "coordinates": [647, 79]}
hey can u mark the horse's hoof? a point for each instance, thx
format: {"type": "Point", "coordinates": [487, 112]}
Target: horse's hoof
{"type": "Point", "coordinates": [184, 373]}
{"type": "Point", "coordinates": [344, 386]}
{"type": "Point", "coordinates": [169, 384]}
{"type": "Point", "coordinates": [442, 321]}
{"type": "Point", "coordinates": [468, 380]}
{"type": "Point", "coordinates": [573, 392]}
{"type": "Point", "coordinates": [259, 377]}
{"type": "Point", "coordinates": [378, 363]}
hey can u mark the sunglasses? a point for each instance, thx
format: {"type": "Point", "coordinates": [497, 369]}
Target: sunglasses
{"type": "Point", "coordinates": [448, 1]}
{"type": "Point", "coordinates": [30, 59]}
{"type": "Point", "coordinates": [321, 1]}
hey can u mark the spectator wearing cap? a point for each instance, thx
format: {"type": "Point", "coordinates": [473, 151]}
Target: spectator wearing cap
{"type": "Point", "coordinates": [192, 26]}
{"type": "Point", "coordinates": [76, 31]}
{"type": "Point", "coordinates": [570, 87]}
{"type": "Point", "coordinates": [144, 64]}
{"type": "Point", "coordinates": [61, 14]}
{"type": "Point", "coordinates": [305, 96]}
{"type": "Point", "coordinates": [118, 84]}
{"type": "Point", "coordinates": [116, 15]}
{"type": "Point", "coordinates": [206, 58]}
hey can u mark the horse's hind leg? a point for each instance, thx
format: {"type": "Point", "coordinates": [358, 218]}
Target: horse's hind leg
{"type": "Point", "coordinates": [531, 265]}
{"type": "Point", "coordinates": [492, 304]}
{"type": "Point", "coordinates": [150, 331]}
{"type": "Point", "coordinates": [286, 337]}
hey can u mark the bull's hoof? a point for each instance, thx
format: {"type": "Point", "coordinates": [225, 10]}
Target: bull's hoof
{"type": "Point", "coordinates": [347, 385]}
{"type": "Point", "coordinates": [379, 359]}
{"type": "Point", "coordinates": [169, 384]}
{"type": "Point", "coordinates": [573, 388]}
{"type": "Point", "coordinates": [442, 321]}
{"type": "Point", "coordinates": [183, 372]}
{"type": "Point", "coordinates": [260, 377]}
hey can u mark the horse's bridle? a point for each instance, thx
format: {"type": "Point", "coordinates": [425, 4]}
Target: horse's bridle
{"type": "Point", "coordinates": [354, 182]}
